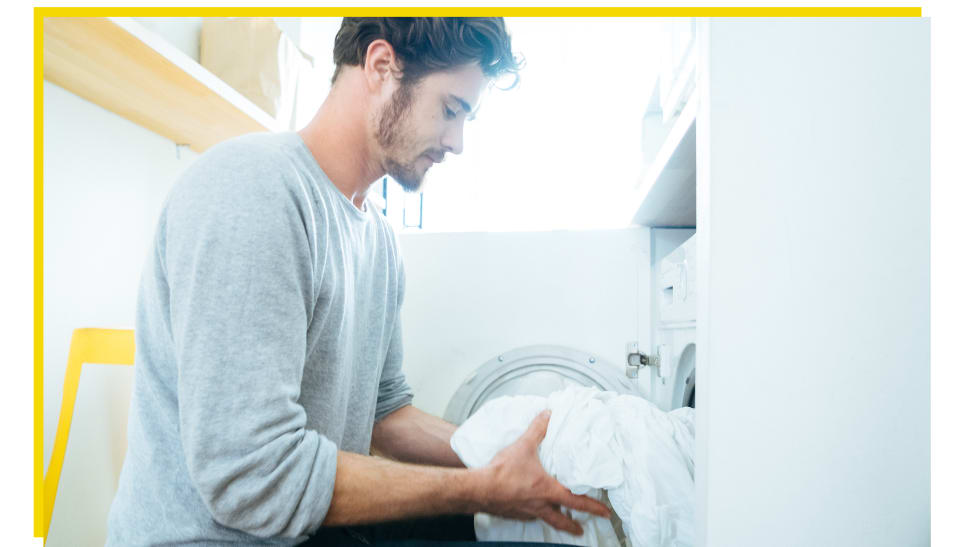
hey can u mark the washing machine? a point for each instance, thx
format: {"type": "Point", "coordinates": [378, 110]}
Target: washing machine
{"type": "Point", "coordinates": [672, 383]}
{"type": "Point", "coordinates": [665, 374]}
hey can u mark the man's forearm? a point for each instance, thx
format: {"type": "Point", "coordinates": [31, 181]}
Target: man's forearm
{"type": "Point", "coordinates": [411, 435]}
{"type": "Point", "coordinates": [369, 489]}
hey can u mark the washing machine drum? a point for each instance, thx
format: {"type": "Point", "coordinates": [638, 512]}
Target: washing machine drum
{"type": "Point", "coordinates": [534, 370]}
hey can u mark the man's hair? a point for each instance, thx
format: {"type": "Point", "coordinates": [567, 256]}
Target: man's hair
{"type": "Point", "coordinates": [424, 45]}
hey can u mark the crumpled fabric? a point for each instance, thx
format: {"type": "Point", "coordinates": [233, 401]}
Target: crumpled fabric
{"type": "Point", "coordinates": [620, 449]}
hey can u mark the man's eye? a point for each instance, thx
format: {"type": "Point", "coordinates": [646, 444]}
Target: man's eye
{"type": "Point", "coordinates": [449, 114]}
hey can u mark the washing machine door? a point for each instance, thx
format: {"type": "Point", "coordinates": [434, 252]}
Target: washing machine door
{"type": "Point", "coordinates": [534, 370]}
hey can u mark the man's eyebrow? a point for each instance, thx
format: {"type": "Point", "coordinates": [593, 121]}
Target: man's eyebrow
{"type": "Point", "coordinates": [465, 106]}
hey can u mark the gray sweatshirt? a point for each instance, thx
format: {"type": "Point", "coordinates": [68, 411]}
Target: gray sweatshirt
{"type": "Point", "coordinates": [268, 337]}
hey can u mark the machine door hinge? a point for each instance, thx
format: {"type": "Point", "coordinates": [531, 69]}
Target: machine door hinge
{"type": "Point", "coordinates": [636, 360]}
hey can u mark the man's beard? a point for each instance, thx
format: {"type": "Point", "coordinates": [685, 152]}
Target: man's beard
{"type": "Point", "coordinates": [392, 137]}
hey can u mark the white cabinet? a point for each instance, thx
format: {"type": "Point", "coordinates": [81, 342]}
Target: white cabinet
{"type": "Point", "coordinates": [813, 246]}
{"type": "Point", "coordinates": [665, 190]}
{"type": "Point", "coordinates": [803, 161]}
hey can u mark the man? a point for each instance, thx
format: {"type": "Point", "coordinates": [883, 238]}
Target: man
{"type": "Point", "coordinates": [268, 332]}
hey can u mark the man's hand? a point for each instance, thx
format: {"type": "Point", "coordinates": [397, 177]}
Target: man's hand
{"type": "Point", "coordinates": [518, 487]}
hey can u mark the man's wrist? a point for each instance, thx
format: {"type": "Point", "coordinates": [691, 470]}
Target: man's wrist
{"type": "Point", "coordinates": [472, 490]}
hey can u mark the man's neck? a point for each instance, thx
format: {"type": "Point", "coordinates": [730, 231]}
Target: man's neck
{"type": "Point", "coordinates": [339, 141]}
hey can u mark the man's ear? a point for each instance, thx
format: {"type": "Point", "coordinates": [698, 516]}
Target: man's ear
{"type": "Point", "coordinates": [380, 64]}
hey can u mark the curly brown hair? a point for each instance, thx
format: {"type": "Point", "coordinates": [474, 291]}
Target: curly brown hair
{"type": "Point", "coordinates": [424, 45]}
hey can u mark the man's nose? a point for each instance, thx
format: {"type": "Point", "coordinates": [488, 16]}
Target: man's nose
{"type": "Point", "coordinates": [452, 140]}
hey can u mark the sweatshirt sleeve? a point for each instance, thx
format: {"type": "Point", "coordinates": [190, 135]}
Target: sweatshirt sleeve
{"type": "Point", "coordinates": [239, 269]}
{"type": "Point", "coordinates": [393, 391]}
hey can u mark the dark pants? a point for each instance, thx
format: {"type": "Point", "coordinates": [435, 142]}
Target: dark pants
{"type": "Point", "coordinates": [457, 530]}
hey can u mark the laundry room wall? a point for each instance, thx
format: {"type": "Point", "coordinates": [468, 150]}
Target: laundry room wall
{"type": "Point", "coordinates": [471, 296]}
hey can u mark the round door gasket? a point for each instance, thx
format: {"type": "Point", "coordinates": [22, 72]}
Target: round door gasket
{"type": "Point", "coordinates": [574, 365]}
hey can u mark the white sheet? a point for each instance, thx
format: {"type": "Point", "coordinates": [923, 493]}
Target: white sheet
{"type": "Point", "coordinates": [616, 448]}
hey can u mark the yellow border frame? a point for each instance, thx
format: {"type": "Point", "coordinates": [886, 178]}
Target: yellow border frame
{"type": "Point", "coordinates": [487, 11]}
{"type": "Point", "coordinates": [39, 275]}
{"type": "Point", "coordinates": [41, 12]}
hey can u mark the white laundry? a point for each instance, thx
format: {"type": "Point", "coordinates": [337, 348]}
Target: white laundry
{"type": "Point", "coordinates": [496, 425]}
{"type": "Point", "coordinates": [579, 448]}
{"type": "Point", "coordinates": [612, 447]}
{"type": "Point", "coordinates": [656, 501]}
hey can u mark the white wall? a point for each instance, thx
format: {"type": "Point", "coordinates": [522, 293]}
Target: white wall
{"type": "Point", "coordinates": [813, 365]}
{"type": "Point", "coordinates": [181, 32]}
{"type": "Point", "coordinates": [472, 296]}
{"type": "Point", "coordinates": [105, 179]}
{"type": "Point", "coordinates": [316, 39]}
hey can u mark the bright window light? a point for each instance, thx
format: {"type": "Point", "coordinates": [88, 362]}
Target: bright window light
{"type": "Point", "coordinates": [562, 150]}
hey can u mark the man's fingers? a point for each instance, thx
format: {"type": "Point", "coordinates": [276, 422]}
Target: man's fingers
{"type": "Point", "coordinates": [561, 521]}
{"type": "Point", "coordinates": [538, 428]}
{"type": "Point", "coordinates": [583, 503]}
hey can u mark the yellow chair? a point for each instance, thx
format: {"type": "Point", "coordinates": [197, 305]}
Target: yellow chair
{"type": "Point", "coordinates": [99, 346]}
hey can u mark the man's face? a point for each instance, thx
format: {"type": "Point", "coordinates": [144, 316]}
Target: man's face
{"type": "Point", "coordinates": [417, 125]}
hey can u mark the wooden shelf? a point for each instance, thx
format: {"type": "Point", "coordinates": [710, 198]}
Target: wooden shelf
{"type": "Point", "coordinates": [118, 64]}
{"type": "Point", "coordinates": [666, 192]}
